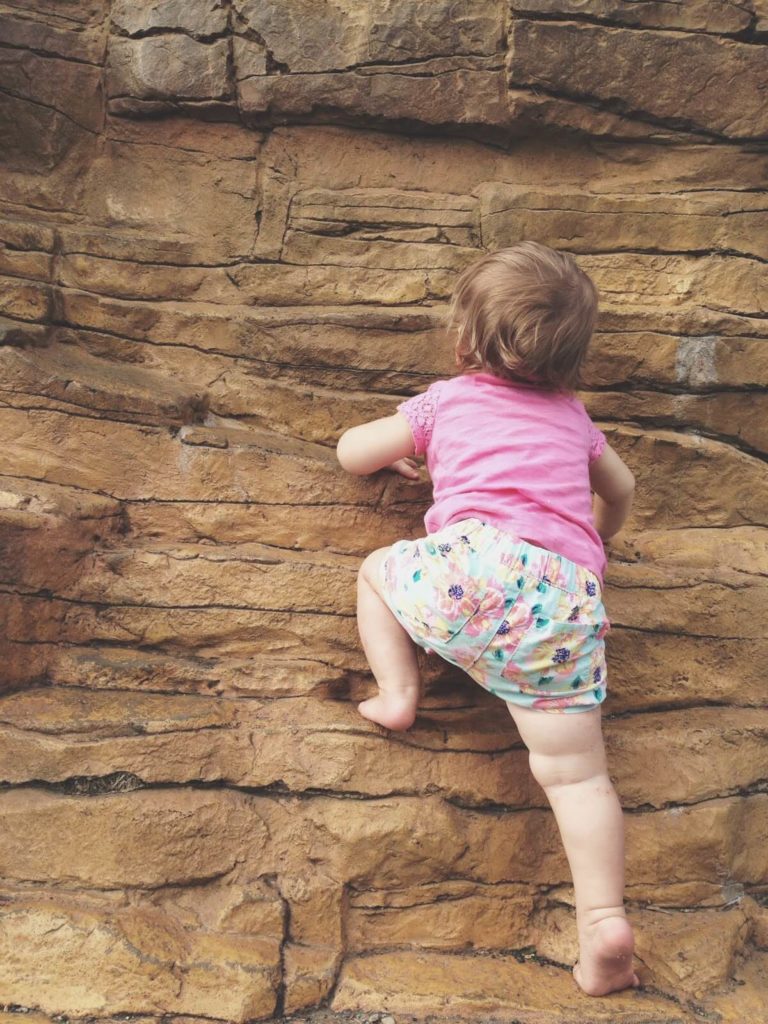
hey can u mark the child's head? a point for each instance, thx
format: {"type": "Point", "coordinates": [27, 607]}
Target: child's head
{"type": "Point", "coordinates": [526, 312]}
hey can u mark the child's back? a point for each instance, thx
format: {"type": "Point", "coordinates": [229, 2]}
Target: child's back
{"type": "Point", "coordinates": [513, 454]}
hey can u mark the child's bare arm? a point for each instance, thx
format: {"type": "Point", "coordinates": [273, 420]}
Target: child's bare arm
{"type": "Point", "coordinates": [387, 442]}
{"type": "Point", "coordinates": [614, 487]}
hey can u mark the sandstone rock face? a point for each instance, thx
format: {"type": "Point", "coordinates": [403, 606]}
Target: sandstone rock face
{"type": "Point", "coordinates": [229, 230]}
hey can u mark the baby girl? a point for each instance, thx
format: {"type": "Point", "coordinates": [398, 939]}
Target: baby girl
{"type": "Point", "coordinates": [507, 584]}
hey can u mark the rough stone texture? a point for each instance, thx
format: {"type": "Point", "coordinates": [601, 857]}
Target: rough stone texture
{"type": "Point", "coordinates": [227, 232]}
{"type": "Point", "coordinates": [158, 67]}
{"type": "Point", "coordinates": [668, 78]}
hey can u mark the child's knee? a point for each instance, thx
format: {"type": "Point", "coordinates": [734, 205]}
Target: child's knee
{"type": "Point", "coordinates": [567, 770]}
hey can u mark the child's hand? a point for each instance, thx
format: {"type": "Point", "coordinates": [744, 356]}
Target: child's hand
{"type": "Point", "coordinates": [406, 467]}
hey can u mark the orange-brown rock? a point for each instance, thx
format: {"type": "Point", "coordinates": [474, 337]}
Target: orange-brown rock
{"type": "Point", "coordinates": [468, 987]}
{"type": "Point", "coordinates": [651, 76]}
{"type": "Point", "coordinates": [227, 232]}
{"type": "Point", "coordinates": [134, 958]}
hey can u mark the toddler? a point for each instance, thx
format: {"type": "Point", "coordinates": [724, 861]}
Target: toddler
{"type": "Point", "coordinates": [508, 582]}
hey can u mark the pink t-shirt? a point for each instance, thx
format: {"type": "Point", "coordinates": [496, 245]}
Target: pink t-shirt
{"type": "Point", "coordinates": [514, 455]}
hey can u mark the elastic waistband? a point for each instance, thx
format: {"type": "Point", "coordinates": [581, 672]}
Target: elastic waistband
{"type": "Point", "coordinates": [520, 556]}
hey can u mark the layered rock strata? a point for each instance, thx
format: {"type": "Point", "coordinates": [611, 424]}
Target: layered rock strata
{"type": "Point", "coordinates": [228, 231]}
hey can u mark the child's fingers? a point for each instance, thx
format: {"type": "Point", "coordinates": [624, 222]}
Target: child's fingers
{"type": "Point", "coordinates": [407, 468]}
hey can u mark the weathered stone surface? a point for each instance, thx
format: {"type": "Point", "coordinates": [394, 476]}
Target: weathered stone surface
{"type": "Point", "coordinates": [742, 549]}
{"type": "Point", "coordinates": [76, 13]}
{"type": "Point", "coordinates": [278, 285]}
{"type": "Point", "coordinates": [197, 298]}
{"type": "Point", "coordinates": [353, 529]}
{"type": "Point", "coordinates": [693, 221]}
{"type": "Point", "coordinates": [451, 915]}
{"type": "Point", "coordinates": [703, 471]}
{"type": "Point", "coordinates": [71, 714]}
{"type": "Point", "coordinates": [695, 961]}
{"type": "Point", "coordinates": [236, 633]}
{"type": "Point", "coordinates": [25, 300]}
{"type": "Point", "coordinates": [312, 37]}
{"type": "Point", "coordinates": [390, 61]}
{"type": "Point", "coordinates": [356, 226]}
{"type": "Point", "coordinates": [61, 522]}
{"type": "Point", "coordinates": [652, 669]}
{"type": "Point", "coordinates": [746, 998]}
{"type": "Point", "coordinates": [708, 616]}
{"type": "Point", "coordinates": [463, 91]}
{"type": "Point", "coordinates": [63, 377]}
{"type": "Point", "coordinates": [705, 362]}
{"type": "Point", "coordinates": [673, 79]}
{"type": "Point", "coordinates": [79, 34]}
{"type": "Point", "coordinates": [715, 16]}
{"type": "Point", "coordinates": [465, 986]}
{"type": "Point", "coordinates": [70, 87]}
{"type": "Point", "coordinates": [670, 953]}
{"type": "Point", "coordinates": [132, 960]}
{"type": "Point", "coordinates": [472, 759]}
{"type": "Point", "coordinates": [248, 576]}
{"type": "Point", "coordinates": [165, 827]}
{"type": "Point", "coordinates": [310, 975]}
{"type": "Point", "coordinates": [116, 470]}
{"type": "Point", "coordinates": [706, 296]}
{"type": "Point", "coordinates": [331, 157]}
{"type": "Point", "coordinates": [222, 671]}
{"type": "Point", "coordinates": [291, 59]}
{"type": "Point", "coordinates": [141, 189]}
{"type": "Point", "coordinates": [196, 17]}
{"type": "Point", "coordinates": [375, 843]}
{"type": "Point", "coordinates": [459, 916]}
{"type": "Point", "coordinates": [738, 417]}
{"type": "Point", "coordinates": [714, 751]}
{"type": "Point", "coordinates": [268, 335]}
{"type": "Point", "coordinates": [167, 67]}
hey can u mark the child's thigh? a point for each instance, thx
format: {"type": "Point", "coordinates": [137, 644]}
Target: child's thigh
{"type": "Point", "coordinates": [372, 569]}
{"type": "Point", "coordinates": [564, 748]}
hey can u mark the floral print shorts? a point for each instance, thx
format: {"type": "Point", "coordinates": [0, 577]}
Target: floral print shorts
{"type": "Point", "coordinates": [524, 623]}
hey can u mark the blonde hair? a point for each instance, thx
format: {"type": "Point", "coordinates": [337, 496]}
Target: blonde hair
{"type": "Point", "coordinates": [526, 312]}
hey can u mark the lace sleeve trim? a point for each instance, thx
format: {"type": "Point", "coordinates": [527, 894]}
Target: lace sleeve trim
{"type": "Point", "coordinates": [597, 442]}
{"type": "Point", "coordinates": [420, 413]}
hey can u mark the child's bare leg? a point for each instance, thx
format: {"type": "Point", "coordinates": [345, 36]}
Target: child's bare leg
{"type": "Point", "coordinates": [390, 652]}
{"type": "Point", "coordinates": [567, 759]}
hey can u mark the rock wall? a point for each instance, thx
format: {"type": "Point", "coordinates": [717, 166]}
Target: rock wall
{"type": "Point", "coordinates": [229, 229]}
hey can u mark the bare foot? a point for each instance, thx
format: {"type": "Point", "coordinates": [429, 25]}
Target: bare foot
{"type": "Point", "coordinates": [605, 963]}
{"type": "Point", "coordinates": [392, 710]}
